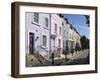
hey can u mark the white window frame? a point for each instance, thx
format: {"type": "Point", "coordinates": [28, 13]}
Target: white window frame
{"type": "Point", "coordinates": [46, 22]}
{"type": "Point", "coordinates": [36, 17]}
{"type": "Point", "coordinates": [55, 28]}
{"type": "Point", "coordinates": [44, 43]}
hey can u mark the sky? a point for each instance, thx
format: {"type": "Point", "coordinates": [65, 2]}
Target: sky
{"type": "Point", "coordinates": [79, 22]}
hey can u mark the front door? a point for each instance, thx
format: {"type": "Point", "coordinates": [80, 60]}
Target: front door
{"type": "Point", "coordinates": [31, 43]}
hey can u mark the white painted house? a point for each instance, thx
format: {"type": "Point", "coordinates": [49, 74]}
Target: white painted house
{"type": "Point", "coordinates": [70, 37]}
{"type": "Point", "coordinates": [44, 34]}
{"type": "Point", "coordinates": [66, 35]}
{"type": "Point", "coordinates": [37, 33]}
{"type": "Point", "coordinates": [56, 34]}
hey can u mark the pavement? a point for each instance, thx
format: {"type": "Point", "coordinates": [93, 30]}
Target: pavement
{"type": "Point", "coordinates": [82, 55]}
{"type": "Point", "coordinates": [78, 55]}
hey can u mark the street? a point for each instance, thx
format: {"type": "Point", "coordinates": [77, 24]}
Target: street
{"type": "Point", "coordinates": [82, 57]}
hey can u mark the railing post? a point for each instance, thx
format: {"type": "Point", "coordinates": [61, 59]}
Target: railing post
{"type": "Point", "coordinates": [52, 58]}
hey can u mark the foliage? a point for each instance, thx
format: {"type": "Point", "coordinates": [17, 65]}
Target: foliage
{"type": "Point", "coordinates": [77, 47]}
{"type": "Point", "coordinates": [84, 42]}
{"type": "Point", "coordinates": [31, 60]}
{"type": "Point", "coordinates": [87, 20]}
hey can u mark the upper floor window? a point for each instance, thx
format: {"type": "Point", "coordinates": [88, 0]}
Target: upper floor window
{"type": "Point", "coordinates": [67, 34]}
{"type": "Point", "coordinates": [46, 22]}
{"type": "Point", "coordinates": [55, 28]}
{"type": "Point", "coordinates": [44, 40]}
{"type": "Point", "coordinates": [59, 41]}
{"type": "Point", "coordinates": [36, 17]}
{"type": "Point", "coordinates": [59, 30]}
{"type": "Point", "coordinates": [62, 23]}
{"type": "Point", "coordinates": [70, 36]}
{"type": "Point", "coordinates": [64, 31]}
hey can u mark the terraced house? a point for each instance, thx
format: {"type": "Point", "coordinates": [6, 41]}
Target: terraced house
{"type": "Point", "coordinates": [44, 34]}
{"type": "Point", "coordinates": [71, 38]}
{"type": "Point", "coordinates": [56, 34]}
{"type": "Point", "coordinates": [37, 33]}
{"type": "Point", "coordinates": [49, 33]}
{"type": "Point", "coordinates": [66, 36]}
{"type": "Point", "coordinates": [76, 38]}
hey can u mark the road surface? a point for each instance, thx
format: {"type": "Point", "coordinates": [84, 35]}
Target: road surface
{"type": "Point", "coordinates": [81, 58]}
{"type": "Point", "coordinates": [81, 55]}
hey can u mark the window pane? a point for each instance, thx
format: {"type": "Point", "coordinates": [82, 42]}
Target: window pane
{"type": "Point", "coordinates": [60, 30]}
{"type": "Point", "coordinates": [59, 43]}
{"type": "Point", "coordinates": [46, 22]}
{"type": "Point", "coordinates": [44, 40]}
{"type": "Point", "coordinates": [55, 28]}
{"type": "Point", "coordinates": [36, 17]}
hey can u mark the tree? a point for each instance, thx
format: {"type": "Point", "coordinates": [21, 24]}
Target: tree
{"type": "Point", "coordinates": [72, 51]}
{"type": "Point", "coordinates": [66, 52]}
{"type": "Point", "coordinates": [84, 42]}
{"type": "Point", "coordinates": [87, 20]}
{"type": "Point", "coordinates": [77, 47]}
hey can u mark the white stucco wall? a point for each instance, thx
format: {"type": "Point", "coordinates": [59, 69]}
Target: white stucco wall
{"type": "Point", "coordinates": [39, 30]}
{"type": "Point", "coordinates": [55, 19]}
{"type": "Point", "coordinates": [66, 32]}
{"type": "Point", "coordinates": [31, 27]}
{"type": "Point", "coordinates": [45, 31]}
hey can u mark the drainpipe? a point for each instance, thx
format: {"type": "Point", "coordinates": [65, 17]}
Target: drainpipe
{"type": "Point", "coordinates": [50, 36]}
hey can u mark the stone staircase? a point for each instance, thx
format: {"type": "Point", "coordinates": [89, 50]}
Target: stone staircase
{"type": "Point", "coordinates": [40, 58]}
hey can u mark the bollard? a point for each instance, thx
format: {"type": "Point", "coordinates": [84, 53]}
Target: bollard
{"type": "Point", "coordinates": [52, 58]}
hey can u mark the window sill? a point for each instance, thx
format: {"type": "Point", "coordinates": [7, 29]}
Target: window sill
{"type": "Point", "coordinates": [43, 47]}
{"type": "Point", "coordinates": [46, 28]}
{"type": "Point", "coordinates": [36, 24]}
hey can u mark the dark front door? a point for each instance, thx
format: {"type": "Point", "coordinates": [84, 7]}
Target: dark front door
{"type": "Point", "coordinates": [31, 43]}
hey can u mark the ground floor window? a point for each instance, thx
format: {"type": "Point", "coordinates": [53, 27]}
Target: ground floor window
{"type": "Point", "coordinates": [44, 40]}
{"type": "Point", "coordinates": [59, 43]}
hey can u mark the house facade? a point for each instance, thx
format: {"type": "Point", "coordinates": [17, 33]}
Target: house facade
{"type": "Point", "coordinates": [76, 38]}
{"type": "Point", "coordinates": [49, 33]}
{"type": "Point", "coordinates": [38, 33]}
{"type": "Point", "coordinates": [71, 37]}
{"type": "Point", "coordinates": [66, 35]}
{"type": "Point", "coordinates": [44, 34]}
{"type": "Point", "coordinates": [56, 34]}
